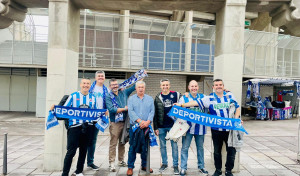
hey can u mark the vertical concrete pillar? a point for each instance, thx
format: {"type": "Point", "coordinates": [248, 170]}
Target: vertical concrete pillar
{"type": "Point", "coordinates": [298, 153]}
{"type": "Point", "coordinates": [188, 40]}
{"type": "Point", "coordinates": [124, 38]}
{"type": "Point", "coordinates": [62, 73]}
{"type": "Point", "coordinates": [229, 47]}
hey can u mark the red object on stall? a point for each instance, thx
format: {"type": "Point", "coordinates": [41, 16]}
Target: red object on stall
{"type": "Point", "coordinates": [279, 96]}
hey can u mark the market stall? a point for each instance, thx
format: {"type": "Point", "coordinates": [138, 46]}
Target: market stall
{"type": "Point", "coordinates": [282, 105]}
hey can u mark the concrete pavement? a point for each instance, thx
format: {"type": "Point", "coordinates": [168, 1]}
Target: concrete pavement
{"type": "Point", "coordinates": [269, 149]}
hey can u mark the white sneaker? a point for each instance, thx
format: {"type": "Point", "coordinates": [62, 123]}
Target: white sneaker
{"type": "Point", "coordinates": [112, 167]}
{"type": "Point", "coordinates": [122, 164]}
{"type": "Point", "coordinates": [74, 174]}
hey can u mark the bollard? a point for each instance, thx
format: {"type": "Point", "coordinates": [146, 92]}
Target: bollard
{"type": "Point", "coordinates": [5, 155]}
{"type": "Point", "coordinates": [148, 159]}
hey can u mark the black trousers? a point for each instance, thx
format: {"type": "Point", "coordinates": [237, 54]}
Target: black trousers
{"type": "Point", "coordinates": [76, 137]}
{"type": "Point", "coordinates": [218, 138]}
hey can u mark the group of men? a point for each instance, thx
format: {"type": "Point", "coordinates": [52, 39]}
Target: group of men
{"type": "Point", "coordinates": [141, 111]}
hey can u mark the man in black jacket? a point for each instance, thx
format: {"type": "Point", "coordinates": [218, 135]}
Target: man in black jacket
{"type": "Point", "coordinates": [163, 123]}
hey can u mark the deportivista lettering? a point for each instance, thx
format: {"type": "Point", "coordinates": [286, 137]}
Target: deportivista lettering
{"type": "Point", "coordinates": [77, 113]}
{"type": "Point", "coordinates": [207, 119]}
{"type": "Point", "coordinates": [203, 119]}
{"type": "Point", "coordinates": [221, 105]}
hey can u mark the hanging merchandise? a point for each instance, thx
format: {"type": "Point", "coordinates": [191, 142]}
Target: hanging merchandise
{"type": "Point", "coordinates": [249, 91]}
{"type": "Point", "coordinates": [256, 89]}
{"type": "Point", "coordinates": [297, 84]}
{"type": "Point", "coordinates": [276, 113]}
{"type": "Point", "coordinates": [261, 109]}
{"type": "Point", "coordinates": [277, 110]}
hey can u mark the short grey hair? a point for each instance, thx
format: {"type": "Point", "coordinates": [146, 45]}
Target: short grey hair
{"type": "Point", "coordinates": [112, 80]}
{"type": "Point", "coordinates": [164, 79]}
{"type": "Point", "coordinates": [99, 72]}
{"type": "Point", "coordinates": [140, 82]}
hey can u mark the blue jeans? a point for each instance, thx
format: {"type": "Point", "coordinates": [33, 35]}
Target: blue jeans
{"type": "Point", "coordinates": [163, 148]}
{"type": "Point", "coordinates": [186, 142]}
{"type": "Point", "coordinates": [132, 151]}
{"type": "Point", "coordinates": [92, 146]}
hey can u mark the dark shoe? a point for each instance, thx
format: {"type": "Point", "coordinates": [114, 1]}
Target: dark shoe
{"type": "Point", "coordinates": [217, 173]}
{"type": "Point", "coordinates": [93, 166]}
{"type": "Point", "coordinates": [129, 172]}
{"type": "Point", "coordinates": [228, 173]}
{"type": "Point", "coordinates": [203, 171]}
{"type": "Point", "coordinates": [163, 168]}
{"type": "Point", "coordinates": [176, 170]}
{"type": "Point", "coordinates": [145, 169]}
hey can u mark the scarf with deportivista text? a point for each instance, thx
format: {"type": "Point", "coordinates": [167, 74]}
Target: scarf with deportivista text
{"type": "Point", "coordinates": [206, 119]}
{"type": "Point", "coordinates": [87, 115]}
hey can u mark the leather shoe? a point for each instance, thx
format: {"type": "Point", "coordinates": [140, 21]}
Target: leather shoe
{"type": "Point", "coordinates": [144, 169]}
{"type": "Point", "coordinates": [129, 172]}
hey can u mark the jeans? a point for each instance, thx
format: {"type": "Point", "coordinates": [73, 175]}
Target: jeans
{"type": "Point", "coordinates": [186, 142]}
{"type": "Point", "coordinates": [76, 138]}
{"type": "Point", "coordinates": [132, 152]}
{"type": "Point", "coordinates": [163, 148]}
{"type": "Point", "coordinates": [218, 138]}
{"type": "Point", "coordinates": [92, 145]}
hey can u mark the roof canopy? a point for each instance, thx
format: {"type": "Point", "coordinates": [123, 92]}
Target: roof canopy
{"type": "Point", "coordinates": [272, 81]}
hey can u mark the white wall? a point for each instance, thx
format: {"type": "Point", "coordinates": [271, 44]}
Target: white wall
{"type": "Point", "coordinates": [17, 93]}
{"type": "Point", "coordinates": [41, 97]}
{"type": "Point", "coordinates": [32, 93]}
{"type": "Point", "coordinates": [4, 92]}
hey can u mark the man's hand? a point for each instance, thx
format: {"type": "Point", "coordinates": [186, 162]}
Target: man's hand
{"type": "Point", "coordinates": [226, 90]}
{"type": "Point", "coordinates": [106, 113]}
{"type": "Point", "coordinates": [156, 132]}
{"type": "Point", "coordinates": [52, 107]}
{"type": "Point", "coordinates": [126, 108]}
{"type": "Point", "coordinates": [242, 122]}
{"type": "Point", "coordinates": [147, 123]}
{"type": "Point", "coordinates": [186, 94]}
{"type": "Point", "coordinates": [177, 104]}
{"type": "Point", "coordinates": [144, 124]}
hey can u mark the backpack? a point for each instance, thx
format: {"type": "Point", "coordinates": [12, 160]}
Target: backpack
{"type": "Point", "coordinates": [61, 103]}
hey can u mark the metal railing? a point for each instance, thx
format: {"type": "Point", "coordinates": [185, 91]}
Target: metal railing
{"type": "Point", "coordinates": [156, 44]}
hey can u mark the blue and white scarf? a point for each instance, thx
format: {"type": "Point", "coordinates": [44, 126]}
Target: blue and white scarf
{"type": "Point", "coordinates": [297, 84]}
{"type": "Point", "coordinates": [261, 109]}
{"type": "Point", "coordinates": [87, 115]}
{"type": "Point", "coordinates": [256, 89]}
{"type": "Point", "coordinates": [105, 91]}
{"type": "Point", "coordinates": [152, 137]}
{"type": "Point", "coordinates": [134, 78]}
{"type": "Point", "coordinates": [207, 119]}
{"type": "Point", "coordinates": [119, 116]}
{"type": "Point", "coordinates": [249, 90]}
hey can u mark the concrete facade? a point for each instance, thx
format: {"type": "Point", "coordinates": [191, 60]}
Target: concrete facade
{"type": "Point", "coordinates": [188, 40]}
{"type": "Point", "coordinates": [61, 78]}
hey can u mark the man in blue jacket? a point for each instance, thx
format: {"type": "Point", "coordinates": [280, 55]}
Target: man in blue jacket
{"type": "Point", "coordinates": [116, 103]}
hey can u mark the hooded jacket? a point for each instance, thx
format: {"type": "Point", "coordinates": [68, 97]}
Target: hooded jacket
{"type": "Point", "coordinates": [159, 114]}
